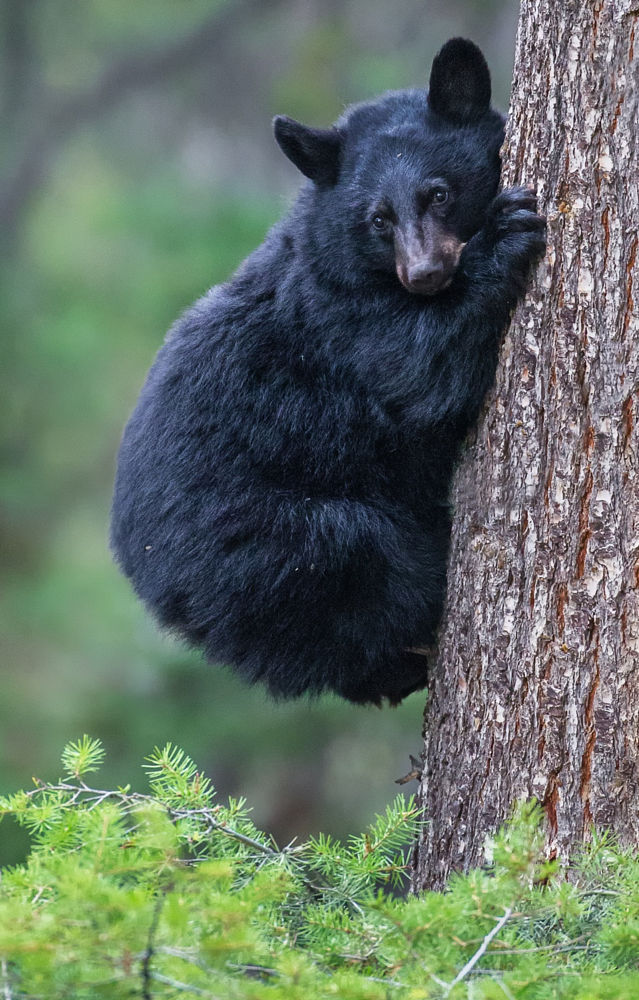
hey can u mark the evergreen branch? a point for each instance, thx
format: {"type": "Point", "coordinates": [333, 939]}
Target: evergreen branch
{"type": "Point", "coordinates": [82, 756]}
{"type": "Point", "coordinates": [137, 799]}
{"type": "Point", "coordinates": [242, 922]}
{"type": "Point", "coordinates": [342, 892]}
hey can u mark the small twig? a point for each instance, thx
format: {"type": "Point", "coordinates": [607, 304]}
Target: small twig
{"type": "Point", "coordinates": [388, 982]}
{"type": "Point", "coordinates": [147, 974]}
{"type": "Point", "coordinates": [502, 985]}
{"type": "Point", "coordinates": [415, 773]}
{"type": "Point", "coordinates": [497, 977]}
{"type": "Point", "coordinates": [440, 982]}
{"type": "Point", "coordinates": [184, 987]}
{"type": "Point", "coordinates": [554, 948]}
{"type": "Point", "coordinates": [599, 892]}
{"type": "Point", "coordinates": [480, 951]}
{"type": "Point", "coordinates": [497, 973]}
{"type": "Point", "coordinates": [6, 985]}
{"type": "Point", "coordinates": [249, 968]}
{"type": "Point", "coordinates": [186, 956]}
{"type": "Point", "coordinates": [576, 942]}
{"type": "Point", "coordinates": [235, 834]}
{"type": "Point", "coordinates": [254, 971]}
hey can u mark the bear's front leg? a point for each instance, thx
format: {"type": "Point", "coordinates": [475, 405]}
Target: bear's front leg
{"type": "Point", "coordinates": [499, 259]}
{"type": "Point", "coordinates": [447, 385]}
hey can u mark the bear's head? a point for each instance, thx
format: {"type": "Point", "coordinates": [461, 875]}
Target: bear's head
{"type": "Point", "coordinates": [400, 184]}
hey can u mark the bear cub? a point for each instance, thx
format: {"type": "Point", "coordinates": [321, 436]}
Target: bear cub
{"type": "Point", "coordinates": [282, 492]}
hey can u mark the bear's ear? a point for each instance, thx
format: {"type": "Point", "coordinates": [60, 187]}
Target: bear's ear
{"type": "Point", "coordinates": [459, 82]}
{"type": "Point", "coordinates": [314, 151]}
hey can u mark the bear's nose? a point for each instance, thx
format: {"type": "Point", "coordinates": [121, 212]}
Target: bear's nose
{"type": "Point", "coordinates": [426, 276]}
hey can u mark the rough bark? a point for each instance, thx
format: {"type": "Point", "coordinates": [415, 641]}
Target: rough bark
{"type": "Point", "coordinates": [536, 687]}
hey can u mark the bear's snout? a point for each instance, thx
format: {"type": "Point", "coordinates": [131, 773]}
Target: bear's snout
{"type": "Point", "coordinates": [426, 258]}
{"type": "Point", "coordinates": [425, 277]}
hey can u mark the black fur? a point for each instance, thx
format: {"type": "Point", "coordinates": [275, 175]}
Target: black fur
{"type": "Point", "coordinates": [282, 489]}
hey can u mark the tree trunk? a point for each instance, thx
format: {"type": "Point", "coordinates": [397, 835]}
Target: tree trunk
{"type": "Point", "coordinates": [536, 687]}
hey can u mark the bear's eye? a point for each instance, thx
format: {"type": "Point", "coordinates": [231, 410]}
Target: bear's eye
{"type": "Point", "coordinates": [379, 222]}
{"type": "Point", "coordinates": [440, 196]}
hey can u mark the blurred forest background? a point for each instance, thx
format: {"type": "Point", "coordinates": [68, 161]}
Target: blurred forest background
{"type": "Point", "coordinates": [138, 168]}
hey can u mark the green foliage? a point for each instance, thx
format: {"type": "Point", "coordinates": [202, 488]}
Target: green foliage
{"type": "Point", "coordinates": [82, 756]}
{"type": "Point", "coordinates": [172, 894]}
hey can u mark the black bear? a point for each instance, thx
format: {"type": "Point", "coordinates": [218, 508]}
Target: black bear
{"type": "Point", "coordinates": [282, 494]}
